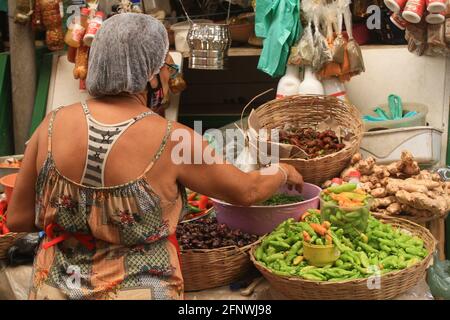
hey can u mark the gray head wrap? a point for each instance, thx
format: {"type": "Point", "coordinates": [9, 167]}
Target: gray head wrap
{"type": "Point", "coordinates": [128, 49]}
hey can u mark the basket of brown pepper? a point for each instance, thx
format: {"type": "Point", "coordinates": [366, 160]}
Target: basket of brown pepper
{"type": "Point", "coordinates": [212, 255]}
{"type": "Point", "coordinates": [318, 134]}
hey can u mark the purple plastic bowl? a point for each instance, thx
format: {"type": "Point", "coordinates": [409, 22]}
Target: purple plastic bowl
{"type": "Point", "coordinates": [260, 220]}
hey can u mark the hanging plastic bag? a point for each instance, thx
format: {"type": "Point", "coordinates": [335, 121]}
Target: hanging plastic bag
{"type": "Point", "coordinates": [436, 40]}
{"type": "Point", "coordinates": [354, 51]}
{"type": "Point", "coordinates": [416, 35]}
{"type": "Point", "coordinates": [322, 53]}
{"type": "Point", "coordinates": [332, 68]}
{"type": "Point", "coordinates": [306, 46]}
{"type": "Point", "coordinates": [338, 43]}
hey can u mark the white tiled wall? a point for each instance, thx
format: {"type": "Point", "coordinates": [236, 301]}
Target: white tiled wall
{"type": "Point", "coordinates": [392, 69]}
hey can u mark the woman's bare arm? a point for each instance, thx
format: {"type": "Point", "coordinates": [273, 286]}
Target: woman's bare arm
{"type": "Point", "coordinates": [21, 208]}
{"type": "Point", "coordinates": [225, 181]}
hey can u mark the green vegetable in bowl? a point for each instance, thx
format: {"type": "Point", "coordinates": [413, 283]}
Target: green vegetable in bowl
{"type": "Point", "coordinates": [282, 198]}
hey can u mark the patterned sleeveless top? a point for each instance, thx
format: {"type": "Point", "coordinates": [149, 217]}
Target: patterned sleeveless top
{"type": "Point", "coordinates": [104, 242]}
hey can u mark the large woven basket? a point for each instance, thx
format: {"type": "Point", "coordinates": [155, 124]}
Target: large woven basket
{"type": "Point", "coordinates": [7, 240]}
{"type": "Point", "coordinates": [391, 284]}
{"type": "Point", "coordinates": [308, 111]}
{"type": "Point", "coordinates": [211, 268]}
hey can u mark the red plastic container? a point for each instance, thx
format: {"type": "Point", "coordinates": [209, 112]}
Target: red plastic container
{"type": "Point", "coordinates": [8, 183]}
{"type": "Point", "coordinates": [260, 220]}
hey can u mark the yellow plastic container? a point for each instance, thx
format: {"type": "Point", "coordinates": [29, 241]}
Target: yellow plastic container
{"type": "Point", "coordinates": [320, 255]}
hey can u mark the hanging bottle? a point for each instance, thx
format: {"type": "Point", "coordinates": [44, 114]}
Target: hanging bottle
{"type": "Point", "coordinates": [289, 83]}
{"type": "Point", "coordinates": [310, 83]}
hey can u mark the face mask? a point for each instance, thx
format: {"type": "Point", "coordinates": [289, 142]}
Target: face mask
{"type": "Point", "coordinates": [155, 96]}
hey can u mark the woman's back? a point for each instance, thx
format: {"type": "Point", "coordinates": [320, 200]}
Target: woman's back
{"type": "Point", "coordinates": [129, 155]}
{"type": "Point", "coordinates": [119, 232]}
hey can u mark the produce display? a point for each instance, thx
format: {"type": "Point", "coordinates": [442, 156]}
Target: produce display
{"type": "Point", "coordinates": [282, 198]}
{"type": "Point", "coordinates": [346, 207]}
{"type": "Point", "coordinates": [314, 143]}
{"type": "Point", "coordinates": [198, 206]}
{"type": "Point", "coordinates": [207, 233]}
{"type": "Point", "coordinates": [379, 250]}
{"type": "Point", "coordinates": [401, 187]}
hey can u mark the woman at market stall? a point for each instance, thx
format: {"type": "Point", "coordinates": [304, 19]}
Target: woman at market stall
{"type": "Point", "coordinates": [100, 178]}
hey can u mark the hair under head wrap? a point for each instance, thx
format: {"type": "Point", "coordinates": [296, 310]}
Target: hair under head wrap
{"type": "Point", "coordinates": [128, 49]}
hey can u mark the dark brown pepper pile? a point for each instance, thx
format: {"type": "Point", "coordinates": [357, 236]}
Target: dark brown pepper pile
{"type": "Point", "coordinates": [209, 234]}
{"type": "Point", "coordinates": [314, 143]}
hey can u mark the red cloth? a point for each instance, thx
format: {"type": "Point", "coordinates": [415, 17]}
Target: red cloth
{"type": "Point", "coordinates": [85, 239]}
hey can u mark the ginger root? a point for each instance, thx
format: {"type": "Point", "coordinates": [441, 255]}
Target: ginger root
{"type": "Point", "coordinates": [382, 202]}
{"type": "Point", "coordinates": [365, 167]}
{"type": "Point", "coordinates": [408, 165]}
{"type": "Point", "coordinates": [356, 158]}
{"type": "Point", "coordinates": [394, 185]}
{"type": "Point", "coordinates": [415, 212]}
{"type": "Point", "coordinates": [421, 201]}
{"type": "Point", "coordinates": [379, 192]}
{"type": "Point", "coordinates": [394, 208]}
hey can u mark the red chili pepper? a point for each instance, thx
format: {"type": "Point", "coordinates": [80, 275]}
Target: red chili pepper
{"type": "Point", "coordinates": [193, 203]}
{"type": "Point", "coordinates": [192, 196]}
{"type": "Point", "coordinates": [5, 229]}
{"type": "Point", "coordinates": [203, 202]}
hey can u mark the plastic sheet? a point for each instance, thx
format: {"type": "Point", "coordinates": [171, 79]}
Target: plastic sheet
{"type": "Point", "coordinates": [439, 278]}
{"type": "Point", "coordinates": [126, 52]}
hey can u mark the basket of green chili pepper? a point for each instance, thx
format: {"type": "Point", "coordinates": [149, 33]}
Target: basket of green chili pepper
{"type": "Point", "coordinates": [346, 206]}
{"type": "Point", "coordinates": [385, 260]}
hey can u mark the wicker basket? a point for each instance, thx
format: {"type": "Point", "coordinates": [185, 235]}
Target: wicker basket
{"type": "Point", "coordinates": [7, 240]}
{"type": "Point", "coordinates": [211, 268]}
{"type": "Point", "coordinates": [309, 111]}
{"type": "Point", "coordinates": [392, 284]}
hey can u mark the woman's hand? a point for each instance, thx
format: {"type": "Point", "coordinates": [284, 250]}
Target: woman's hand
{"type": "Point", "coordinates": [294, 178]}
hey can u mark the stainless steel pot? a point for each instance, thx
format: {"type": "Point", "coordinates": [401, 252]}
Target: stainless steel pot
{"type": "Point", "coordinates": [208, 44]}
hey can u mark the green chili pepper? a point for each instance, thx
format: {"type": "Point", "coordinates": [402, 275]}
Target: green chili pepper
{"type": "Point", "coordinates": [347, 266]}
{"type": "Point", "coordinates": [338, 243]}
{"type": "Point", "coordinates": [347, 187]}
{"type": "Point", "coordinates": [417, 251]}
{"type": "Point", "coordinates": [280, 245]}
{"type": "Point", "coordinates": [364, 259]}
{"type": "Point", "coordinates": [353, 215]}
{"type": "Point", "coordinates": [271, 250]}
{"type": "Point", "coordinates": [339, 262]}
{"type": "Point", "coordinates": [385, 248]}
{"type": "Point", "coordinates": [307, 228]}
{"type": "Point", "coordinates": [259, 253]}
{"type": "Point", "coordinates": [381, 234]}
{"type": "Point", "coordinates": [312, 277]}
{"type": "Point", "coordinates": [275, 256]}
{"type": "Point", "coordinates": [293, 251]}
{"type": "Point", "coordinates": [281, 273]}
{"type": "Point", "coordinates": [367, 247]}
{"type": "Point", "coordinates": [386, 242]}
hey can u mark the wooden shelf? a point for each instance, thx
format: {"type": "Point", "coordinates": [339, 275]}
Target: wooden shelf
{"type": "Point", "coordinates": [256, 51]}
{"type": "Point", "coordinates": [238, 52]}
